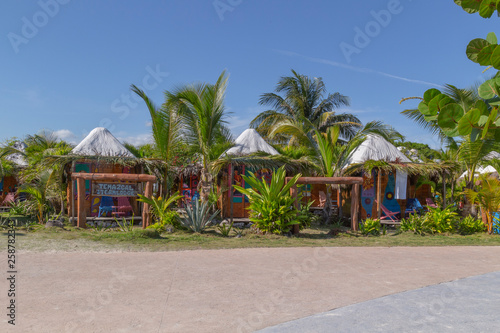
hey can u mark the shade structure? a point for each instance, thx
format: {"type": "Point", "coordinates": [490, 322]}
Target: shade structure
{"type": "Point", "coordinates": [250, 142]}
{"type": "Point", "coordinates": [377, 148]}
{"type": "Point", "coordinates": [100, 142]}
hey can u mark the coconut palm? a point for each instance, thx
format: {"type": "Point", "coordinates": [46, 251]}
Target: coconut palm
{"type": "Point", "coordinates": [166, 127]}
{"type": "Point", "coordinates": [203, 114]}
{"type": "Point", "coordinates": [304, 98]}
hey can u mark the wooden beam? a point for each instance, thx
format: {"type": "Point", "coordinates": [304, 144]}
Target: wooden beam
{"type": "Point", "coordinates": [231, 204]}
{"type": "Point", "coordinates": [114, 176]}
{"type": "Point", "coordinates": [328, 180]}
{"type": "Point", "coordinates": [379, 193]}
{"type": "Point", "coordinates": [82, 214]}
{"type": "Point", "coordinates": [355, 207]}
{"type": "Point", "coordinates": [146, 214]}
{"type": "Point", "coordinates": [294, 194]}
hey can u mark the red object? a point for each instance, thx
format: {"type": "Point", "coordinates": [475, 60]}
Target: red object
{"type": "Point", "coordinates": [123, 206]}
{"type": "Point", "coordinates": [388, 213]}
{"type": "Point", "coordinates": [430, 203]}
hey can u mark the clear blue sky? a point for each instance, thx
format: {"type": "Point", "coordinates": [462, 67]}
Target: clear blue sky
{"type": "Point", "coordinates": [73, 71]}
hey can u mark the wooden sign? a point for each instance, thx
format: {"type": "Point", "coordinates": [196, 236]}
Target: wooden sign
{"type": "Point", "coordinates": [114, 189]}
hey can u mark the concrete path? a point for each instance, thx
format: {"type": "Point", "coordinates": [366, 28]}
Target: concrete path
{"type": "Point", "coordinates": [467, 305]}
{"type": "Point", "coordinates": [240, 290]}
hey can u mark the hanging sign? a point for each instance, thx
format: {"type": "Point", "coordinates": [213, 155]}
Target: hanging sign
{"type": "Point", "coordinates": [114, 189]}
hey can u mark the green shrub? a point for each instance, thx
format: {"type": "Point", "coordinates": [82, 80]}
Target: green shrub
{"type": "Point", "coordinates": [160, 208]}
{"type": "Point", "coordinates": [198, 216]}
{"type": "Point", "coordinates": [414, 223]}
{"type": "Point", "coordinates": [225, 229]}
{"type": "Point", "coordinates": [272, 207]}
{"type": "Point", "coordinates": [470, 225]}
{"type": "Point", "coordinates": [169, 218]}
{"type": "Point", "coordinates": [441, 220]}
{"type": "Point", "coordinates": [370, 227]}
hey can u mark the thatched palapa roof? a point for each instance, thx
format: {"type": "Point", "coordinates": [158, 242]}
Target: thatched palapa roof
{"type": "Point", "coordinates": [100, 142]}
{"type": "Point", "coordinates": [249, 142]}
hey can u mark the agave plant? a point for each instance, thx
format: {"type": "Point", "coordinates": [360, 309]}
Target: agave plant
{"type": "Point", "coordinates": [198, 216]}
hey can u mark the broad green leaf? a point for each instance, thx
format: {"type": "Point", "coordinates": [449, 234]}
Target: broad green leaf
{"type": "Point", "coordinates": [482, 107]}
{"type": "Point", "coordinates": [475, 46]}
{"type": "Point", "coordinates": [451, 132]}
{"type": "Point", "coordinates": [484, 56]}
{"type": "Point", "coordinates": [491, 118]}
{"type": "Point", "coordinates": [465, 125]}
{"type": "Point", "coordinates": [482, 120]}
{"type": "Point", "coordinates": [430, 118]}
{"type": "Point", "coordinates": [434, 104]}
{"type": "Point", "coordinates": [445, 101]}
{"type": "Point", "coordinates": [495, 58]}
{"type": "Point", "coordinates": [423, 108]}
{"type": "Point", "coordinates": [492, 38]}
{"type": "Point", "coordinates": [475, 134]}
{"type": "Point", "coordinates": [430, 94]}
{"type": "Point", "coordinates": [470, 6]}
{"type": "Point", "coordinates": [488, 89]}
{"type": "Point", "coordinates": [497, 135]}
{"type": "Point", "coordinates": [487, 8]}
{"type": "Point", "coordinates": [449, 117]}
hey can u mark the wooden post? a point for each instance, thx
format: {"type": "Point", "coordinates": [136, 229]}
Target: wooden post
{"type": "Point", "coordinates": [146, 214]}
{"type": "Point", "coordinates": [231, 204]}
{"type": "Point", "coordinates": [379, 193]}
{"type": "Point", "coordinates": [444, 189]}
{"type": "Point", "coordinates": [355, 207]}
{"type": "Point", "coordinates": [82, 214]}
{"type": "Point", "coordinates": [72, 195]}
{"type": "Point", "coordinates": [294, 193]}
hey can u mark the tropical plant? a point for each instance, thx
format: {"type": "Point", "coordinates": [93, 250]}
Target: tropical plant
{"type": "Point", "coordinates": [488, 198]}
{"type": "Point", "coordinates": [225, 229]}
{"type": "Point", "coordinates": [198, 216]}
{"type": "Point", "coordinates": [414, 223]}
{"type": "Point", "coordinates": [441, 220]}
{"type": "Point", "coordinates": [271, 206]}
{"type": "Point", "coordinates": [166, 127]}
{"type": "Point", "coordinates": [370, 227]}
{"type": "Point", "coordinates": [304, 98]}
{"type": "Point", "coordinates": [124, 225]}
{"type": "Point", "coordinates": [470, 225]}
{"type": "Point", "coordinates": [161, 207]}
{"type": "Point", "coordinates": [203, 114]}
{"type": "Point", "coordinates": [40, 193]}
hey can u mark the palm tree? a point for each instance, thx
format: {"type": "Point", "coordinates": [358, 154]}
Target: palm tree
{"type": "Point", "coordinates": [166, 127]}
{"type": "Point", "coordinates": [203, 114]}
{"type": "Point", "coordinates": [304, 98]}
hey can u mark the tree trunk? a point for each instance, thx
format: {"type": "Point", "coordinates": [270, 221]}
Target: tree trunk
{"type": "Point", "coordinates": [444, 190]}
{"type": "Point", "coordinates": [205, 184]}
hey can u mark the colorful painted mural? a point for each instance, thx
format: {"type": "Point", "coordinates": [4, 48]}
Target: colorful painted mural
{"type": "Point", "coordinates": [389, 200]}
{"type": "Point", "coordinates": [368, 193]}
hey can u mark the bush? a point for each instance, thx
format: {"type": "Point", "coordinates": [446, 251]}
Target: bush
{"type": "Point", "coordinates": [169, 218]}
{"type": "Point", "coordinates": [370, 227]}
{"type": "Point", "coordinates": [272, 207]}
{"type": "Point", "coordinates": [441, 220]}
{"type": "Point", "coordinates": [414, 223]}
{"type": "Point", "coordinates": [198, 216]}
{"type": "Point", "coordinates": [160, 208]}
{"type": "Point", "coordinates": [470, 225]}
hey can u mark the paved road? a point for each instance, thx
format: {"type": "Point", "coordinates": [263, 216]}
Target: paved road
{"type": "Point", "coordinates": [467, 305]}
{"type": "Point", "coordinates": [241, 290]}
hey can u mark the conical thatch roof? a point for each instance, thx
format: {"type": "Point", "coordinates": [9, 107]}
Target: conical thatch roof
{"type": "Point", "coordinates": [377, 148]}
{"type": "Point", "coordinates": [100, 142]}
{"type": "Point", "coordinates": [18, 158]}
{"type": "Point", "coordinates": [250, 142]}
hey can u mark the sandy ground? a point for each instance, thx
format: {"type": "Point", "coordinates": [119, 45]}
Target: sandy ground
{"type": "Point", "coordinates": [238, 290]}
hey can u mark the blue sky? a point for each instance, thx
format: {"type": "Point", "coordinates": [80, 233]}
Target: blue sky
{"type": "Point", "coordinates": [68, 64]}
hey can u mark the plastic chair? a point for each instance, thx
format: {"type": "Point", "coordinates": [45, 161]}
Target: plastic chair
{"type": "Point", "coordinates": [123, 206]}
{"type": "Point", "coordinates": [413, 206]}
{"type": "Point", "coordinates": [430, 203]}
{"type": "Point", "coordinates": [106, 206]}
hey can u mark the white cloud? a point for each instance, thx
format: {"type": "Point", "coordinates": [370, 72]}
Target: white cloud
{"type": "Point", "coordinates": [137, 140]}
{"type": "Point", "coordinates": [67, 135]}
{"type": "Point", "coordinates": [149, 123]}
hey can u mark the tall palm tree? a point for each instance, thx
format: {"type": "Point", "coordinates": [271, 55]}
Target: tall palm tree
{"type": "Point", "coordinates": [203, 114]}
{"type": "Point", "coordinates": [167, 128]}
{"type": "Point", "coordinates": [304, 98]}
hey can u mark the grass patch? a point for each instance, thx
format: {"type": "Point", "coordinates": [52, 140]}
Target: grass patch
{"type": "Point", "coordinates": [76, 239]}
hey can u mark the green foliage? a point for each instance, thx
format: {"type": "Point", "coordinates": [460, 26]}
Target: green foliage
{"type": "Point", "coordinates": [272, 207]}
{"type": "Point", "coordinates": [18, 208]}
{"type": "Point", "coordinates": [125, 226]}
{"type": "Point", "coordinates": [225, 229]}
{"type": "Point", "coordinates": [470, 225]}
{"type": "Point", "coordinates": [161, 208]}
{"type": "Point", "coordinates": [485, 8]}
{"type": "Point", "coordinates": [98, 226]}
{"type": "Point", "coordinates": [370, 227]}
{"type": "Point", "coordinates": [441, 220]}
{"type": "Point", "coordinates": [198, 216]}
{"type": "Point", "coordinates": [487, 196]}
{"type": "Point", "coordinates": [423, 149]}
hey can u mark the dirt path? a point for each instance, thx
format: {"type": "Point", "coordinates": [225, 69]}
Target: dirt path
{"type": "Point", "coordinates": [219, 291]}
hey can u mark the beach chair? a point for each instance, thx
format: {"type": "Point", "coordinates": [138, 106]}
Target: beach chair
{"type": "Point", "coordinates": [496, 223]}
{"type": "Point", "coordinates": [430, 203]}
{"type": "Point", "coordinates": [123, 207]}
{"type": "Point", "coordinates": [388, 214]}
{"type": "Point", "coordinates": [106, 206]}
{"type": "Point", "coordinates": [413, 206]}
{"type": "Point", "coordinates": [7, 201]}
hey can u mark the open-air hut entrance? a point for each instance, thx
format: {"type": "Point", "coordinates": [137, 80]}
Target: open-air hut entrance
{"type": "Point", "coordinates": [354, 181]}
{"type": "Point", "coordinates": [235, 204]}
{"type": "Point", "coordinates": [9, 181]}
{"type": "Point", "coordinates": [103, 187]}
